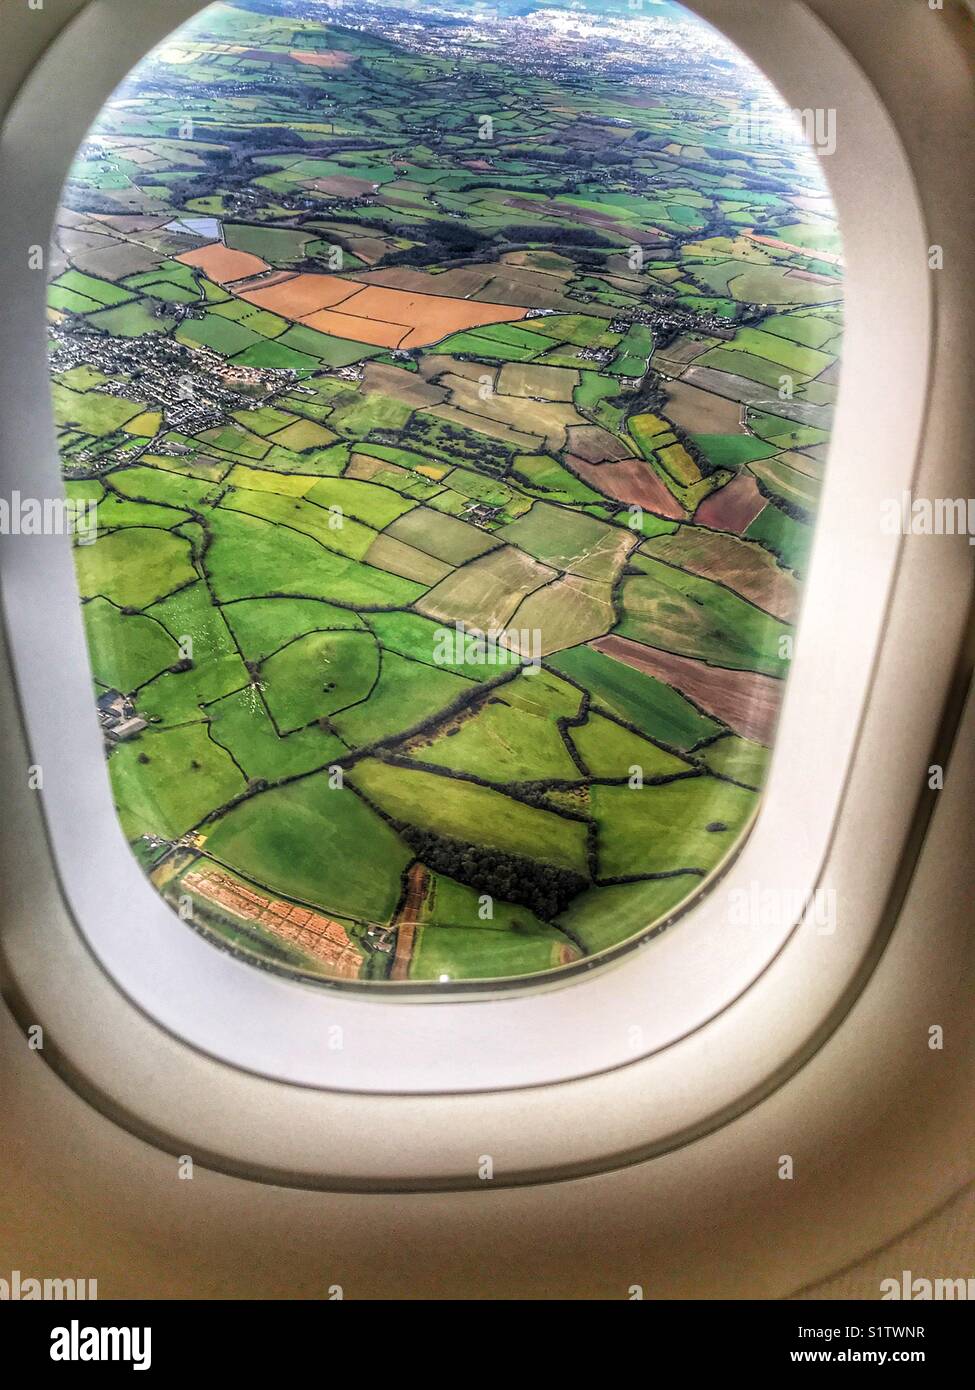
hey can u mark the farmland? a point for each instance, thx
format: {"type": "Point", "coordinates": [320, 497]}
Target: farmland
{"type": "Point", "coordinates": [453, 390]}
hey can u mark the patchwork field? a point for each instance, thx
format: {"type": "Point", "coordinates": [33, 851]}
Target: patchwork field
{"type": "Point", "coordinates": [351, 309]}
{"type": "Point", "coordinates": [451, 406]}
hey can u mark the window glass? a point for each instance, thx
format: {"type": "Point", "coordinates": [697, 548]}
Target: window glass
{"type": "Point", "coordinates": [443, 394]}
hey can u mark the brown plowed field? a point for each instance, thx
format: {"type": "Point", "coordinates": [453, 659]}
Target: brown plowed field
{"type": "Point", "coordinates": [701, 412]}
{"type": "Point", "coordinates": [828, 257]}
{"type": "Point", "coordinates": [593, 444]}
{"type": "Point", "coordinates": [222, 264]}
{"type": "Point", "coordinates": [371, 313]}
{"type": "Point", "coordinates": [261, 282]}
{"type": "Point", "coordinates": [747, 702]}
{"type": "Point", "coordinates": [406, 922]}
{"type": "Point", "coordinates": [813, 278]}
{"type": "Point", "coordinates": [631, 481]}
{"type": "Point", "coordinates": [330, 58]}
{"type": "Point", "coordinates": [733, 508]}
{"type": "Point", "coordinates": [301, 295]}
{"type": "Point", "coordinates": [457, 283]}
{"type": "Point", "coordinates": [341, 186]}
{"type": "Point", "coordinates": [551, 207]}
{"type": "Point", "coordinates": [743, 566]}
{"type": "Point", "coordinates": [403, 386]}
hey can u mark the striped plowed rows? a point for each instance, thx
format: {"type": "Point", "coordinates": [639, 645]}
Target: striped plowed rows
{"type": "Point", "coordinates": [744, 700]}
{"type": "Point", "coordinates": [733, 508]}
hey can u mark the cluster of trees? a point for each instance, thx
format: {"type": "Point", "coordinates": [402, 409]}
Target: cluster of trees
{"type": "Point", "coordinates": [544, 889]}
{"type": "Point", "coordinates": [540, 793]}
{"type": "Point", "coordinates": [254, 137]}
{"type": "Point", "coordinates": [753, 315]}
{"type": "Point", "coordinates": [557, 234]}
{"type": "Point", "coordinates": [442, 241]}
{"type": "Point", "coordinates": [487, 456]}
{"type": "Point", "coordinates": [792, 509]}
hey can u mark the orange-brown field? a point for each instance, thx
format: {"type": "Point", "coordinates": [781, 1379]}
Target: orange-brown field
{"type": "Point", "coordinates": [223, 265]}
{"type": "Point", "coordinates": [387, 335]}
{"type": "Point", "coordinates": [374, 313]}
{"type": "Point", "coordinates": [348, 308]}
{"type": "Point", "coordinates": [330, 58]}
{"type": "Point", "coordinates": [428, 317]}
{"type": "Point", "coordinates": [301, 295]}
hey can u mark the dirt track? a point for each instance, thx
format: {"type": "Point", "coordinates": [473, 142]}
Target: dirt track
{"type": "Point", "coordinates": [406, 921]}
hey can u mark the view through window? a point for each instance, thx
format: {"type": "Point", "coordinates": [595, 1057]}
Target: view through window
{"type": "Point", "coordinates": [443, 393]}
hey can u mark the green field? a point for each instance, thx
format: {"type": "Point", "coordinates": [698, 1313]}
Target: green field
{"type": "Point", "coordinates": [92, 412]}
{"type": "Point", "coordinates": [262, 626]}
{"type": "Point", "coordinates": [467, 811]}
{"type": "Point", "coordinates": [321, 845]}
{"type": "Point", "coordinates": [171, 779]}
{"type": "Point", "coordinates": [240, 723]}
{"type": "Point", "coordinates": [126, 651]}
{"type": "Point", "coordinates": [318, 674]}
{"type": "Point", "coordinates": [251, 558]}
{"type": "Point", "coordinates": [406, 694]}
{"type": "Point", "coordinates": [514, 729]}
{"type": "Point", "coordinates": [444, 537]}
{"type": "Point", "coordinates": [602, 917]}
{"type": "Point", "coordinates": [134, 567]}
{"type": "Point", "coordinates": [611, 750]}
{"type": "Point", "coordinates": [695, 617]}
{"type": "Point", "coordinates": [651, 706]}
{"type": "Point", "coordinates": [686, 824]}
{"type": "Point", "coordinates": [488, 952]}
{"type": "Point", "coordinates": [570, 541]}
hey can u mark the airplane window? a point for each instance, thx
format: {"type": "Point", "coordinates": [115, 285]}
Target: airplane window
{"type": "Point", "coordinates": [443, 396]}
